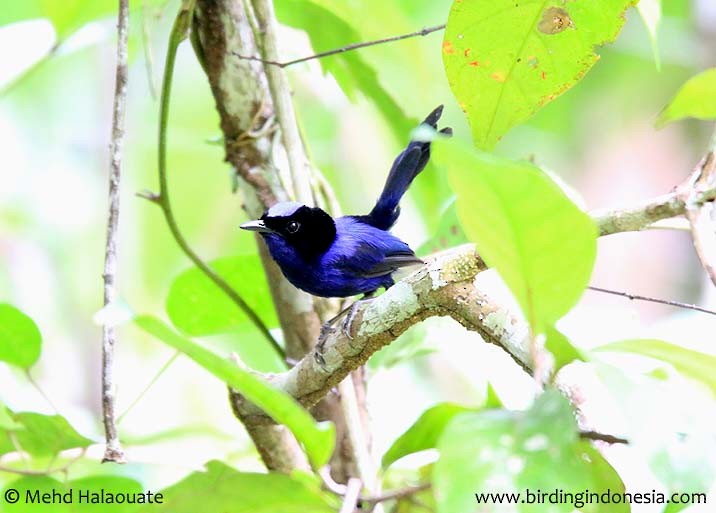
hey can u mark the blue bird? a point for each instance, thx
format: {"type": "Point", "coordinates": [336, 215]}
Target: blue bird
{"type": "Point", "coordinates": [349, 255]}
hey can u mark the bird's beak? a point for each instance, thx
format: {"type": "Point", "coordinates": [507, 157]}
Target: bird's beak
{"type": "Point", "coordinates": [256, 226]}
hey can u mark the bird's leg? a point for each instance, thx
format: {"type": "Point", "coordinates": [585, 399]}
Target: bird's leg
{"type": "Point", "coordinates": [353, 309]}
{"type": "Point", "coordinates": [328, 328]}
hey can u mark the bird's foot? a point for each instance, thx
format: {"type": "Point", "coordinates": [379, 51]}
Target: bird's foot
{"type": "Point", "coordinates": [326, 330]}
{"type": "Point", "coordinates": [348, 320]}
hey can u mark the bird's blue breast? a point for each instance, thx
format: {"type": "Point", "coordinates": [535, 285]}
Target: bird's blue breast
{"type": "Point", "coordinates": [339, 272]}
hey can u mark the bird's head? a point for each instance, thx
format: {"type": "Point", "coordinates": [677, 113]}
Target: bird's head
{"type": "Point", "coordinates": [309, 231]}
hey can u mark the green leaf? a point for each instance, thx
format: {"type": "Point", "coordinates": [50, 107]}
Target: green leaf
{"type": "Point", "coordinates": [524, 226]}
{"type": "Point", "coordinates": [424, 432]}
{"type": "Point", "coordinates": [69, 500]}
{"type": "Point", "coordinates": [695, 99]}
{"type": "Point", "coordinates": [42, 435]}
{"type": "Point", "coordinates": [20, 340]}
{"type": "Point", "coordinates": [562, 349]}
{"type": "Point", "coordinates": [501, 451]}
{"type": "Point", "coordinates": [504, 59]}
{"type": "Point", "coordinates": [650, 11]}
{"type": "Point", "coordinates": [317, 439]}
{"type": "Point", "coordinates": [693, 364]}
{"type": "Point", "coordinates": [492, 400]}
{"type": "Point", "coordinates": [223, 489]}
{"type": "Point", "coordinates": [198, 307]}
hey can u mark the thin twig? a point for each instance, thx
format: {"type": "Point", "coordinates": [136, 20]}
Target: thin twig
{"type": "Point", "coordinates": [40, 391]}
{"type": "Point", "coordinates": [147, 47]}
{"type": "Point", "coordinates": [113, 449]}
{"type": "Point", "coordinates": [636, 297]}
{"type": "Point", "coordinates": [602, 437]}
{"type": "Point", "coordinates": [396, 494]}
{"type": "Point", "coordinates": [343, 49]}
{"type": "Point", "coordinates": [178, 34]}
{"type": "Point", "coordinates": [151, 383]}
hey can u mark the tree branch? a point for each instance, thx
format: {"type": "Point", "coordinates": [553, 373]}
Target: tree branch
{"type": "Point", "coordinates": [443, 287]}
{"type": "Point", "coordinates": [700, 216]}
{"type": "Point", "coordinates": [645, 213]}
{"type": "Point", "coordinates": [113, 449]}
{"type": "Point", "coordinates": [602, 437]}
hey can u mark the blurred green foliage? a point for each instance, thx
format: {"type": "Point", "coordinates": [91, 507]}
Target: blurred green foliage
{"type": "Point", "coordinates": [539, 449]}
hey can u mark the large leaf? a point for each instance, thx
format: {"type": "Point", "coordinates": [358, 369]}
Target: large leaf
{"type": "Point", "coordinates": [693, 364]}
{"type": "Point", "coordinates": [20, 340]}
{"type": "Point", "coordinates": [31, 490]}
{"type": "Point", "coordinates": [524, 226]}
{"type": "Point", "coordinates": [317, 439]}
{"type": "Point", "coordinates": [695, 99]}
{"type": "Point", "coordinates": [501, 451]}
{"type": "Point", "coordinates": [424, 432]}
{"type": "Point", "coordinates": [197, 306]}
{"type": "Point", "coordinates": [506, 59]}
{"type": "Point", "coordinates": [223, 489]}
{"type": "Point", "coordinates": [42, 435]}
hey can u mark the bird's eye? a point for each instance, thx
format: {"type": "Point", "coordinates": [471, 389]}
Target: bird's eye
{"type": "Point", "coordinates": [293, 226]}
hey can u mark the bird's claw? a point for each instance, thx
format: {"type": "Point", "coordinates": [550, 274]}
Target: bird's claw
{"type": "Point", "coordinates": [320, 360]}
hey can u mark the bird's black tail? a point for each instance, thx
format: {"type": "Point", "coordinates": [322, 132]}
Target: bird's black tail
{"type": "Point", "coordinates": [411, 161]}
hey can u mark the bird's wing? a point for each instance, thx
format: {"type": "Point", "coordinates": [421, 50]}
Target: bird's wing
{"type": "Point", "coordinates": [366, 262]}
{"type": "Point", "coordinates": [392, 263]}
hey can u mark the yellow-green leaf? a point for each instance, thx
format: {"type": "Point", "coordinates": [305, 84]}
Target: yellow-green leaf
{"type": "Point", "coordinates": [424, 432]}
{"type": "Point", "coordinates": [505, 59]}
{"type": "Point", "coordinates": [197, 306]}
{"type": "Point", "coordinates": [20, 340]}
{"type": "Point", "coordinates": [695, 99]}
